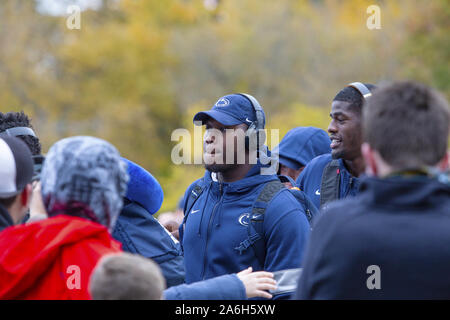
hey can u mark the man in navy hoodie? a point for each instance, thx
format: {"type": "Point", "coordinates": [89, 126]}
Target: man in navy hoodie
{"type": "Point", "coordinates": [392, 240]}
{"type": "Point", "coordinates": [335, 176]}
{"type": "Point", "coordinates": [217, 234]}
{"type": "Point", "coordinates": [298, 147]}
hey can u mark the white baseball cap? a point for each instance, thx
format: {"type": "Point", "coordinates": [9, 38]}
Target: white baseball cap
{"type": "Point", "coordinates": [16, 166]}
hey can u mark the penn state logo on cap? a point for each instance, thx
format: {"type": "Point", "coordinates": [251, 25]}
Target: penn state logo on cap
{"type": "Point", "coordinates": [222, 102]}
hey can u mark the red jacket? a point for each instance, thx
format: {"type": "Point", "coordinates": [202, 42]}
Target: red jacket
{"type": "Point", "coordinates": [52, 258]}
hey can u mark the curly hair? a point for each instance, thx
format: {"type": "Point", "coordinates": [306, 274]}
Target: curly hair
{"type": "Point", "coordinates": [20, 119]}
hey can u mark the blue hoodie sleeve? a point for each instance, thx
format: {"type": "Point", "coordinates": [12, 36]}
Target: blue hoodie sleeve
{"type": "Point", "coordinates": [287, 231]}
{"type": "Point", "coordinates": [310, 179]}
{"type": "Point", "coordinates": [226, 287]}
{"type": "Point", "coordinates": [301, 179]}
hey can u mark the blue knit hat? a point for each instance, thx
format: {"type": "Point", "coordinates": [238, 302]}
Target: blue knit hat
{"type": "Point", "coordinates": [143, 188]}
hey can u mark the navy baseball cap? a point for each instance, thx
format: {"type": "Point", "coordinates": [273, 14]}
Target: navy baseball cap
{"type": "Point", "coordinates": [230, 110]}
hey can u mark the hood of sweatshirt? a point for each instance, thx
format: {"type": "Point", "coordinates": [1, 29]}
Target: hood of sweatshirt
{"type": "Point", "coordinates": [414, 192]}
{"type": "Point", "coordinates": [302, 144]}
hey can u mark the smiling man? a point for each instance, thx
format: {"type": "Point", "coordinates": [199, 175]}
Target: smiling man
{"type": "Point", "coordinates": [331, 177]}
{"type": "Point", "coordinates": [391, 240]}
{"type": "Point", "coordinates": [236, 216]}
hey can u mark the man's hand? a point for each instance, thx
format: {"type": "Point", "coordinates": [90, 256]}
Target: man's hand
{"type": "Point", "coordinates": [256, 283]}
{"type": "Point", "coordinates": [172, 226]}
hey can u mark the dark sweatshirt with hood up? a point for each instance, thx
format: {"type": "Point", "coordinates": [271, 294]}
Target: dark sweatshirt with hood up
{"type": "Point", "coordinates": [394, 235]}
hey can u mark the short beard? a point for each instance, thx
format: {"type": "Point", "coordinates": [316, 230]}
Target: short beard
{"type": "Point", "coordinates": [345, 155]}
{"type": "Point", "coordinates": [338, 154]}
{"type": "Point", "coordinates": [219, 167]}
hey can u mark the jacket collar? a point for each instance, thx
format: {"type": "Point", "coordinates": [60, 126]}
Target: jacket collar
{"type": "Point", "coordinates": [252, 179]}
{"type": "Point", "coordinates": [413, 191]}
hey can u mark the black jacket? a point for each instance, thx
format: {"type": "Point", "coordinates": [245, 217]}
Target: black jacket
{"type": "Point", "coordinates": [5, 218]}
{"type": "Point", "coordinates": [400, 225]}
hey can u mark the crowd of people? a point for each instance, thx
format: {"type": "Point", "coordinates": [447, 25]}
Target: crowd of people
{"type": "Point", "coordinates": [362, 212]}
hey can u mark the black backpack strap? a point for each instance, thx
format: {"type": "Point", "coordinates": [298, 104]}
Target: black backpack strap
{"type": "Point", "coordinates": [256, 222]}
{"type": "Point", "coordinates": [193, 195]}
{"type": "Point", "coordinates": [309, 208]}
{"type": "Point", "coordinates": [331, 179]}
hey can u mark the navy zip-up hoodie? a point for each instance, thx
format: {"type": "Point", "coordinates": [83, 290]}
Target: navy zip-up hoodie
{"type": "Point", "coordinates": [399, 224]}
{"type": "Point", "coordinates": [217, 224]}
{"type": "Point", "coordinates": [310, 179]}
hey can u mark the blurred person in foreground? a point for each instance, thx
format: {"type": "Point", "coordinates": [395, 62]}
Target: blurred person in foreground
{"type": "Point", "coordinates": [83, 182]}
{"type": "Point", "coordinates": [16, 171]}
{"type": "Point", "coordinates": [390, 241]}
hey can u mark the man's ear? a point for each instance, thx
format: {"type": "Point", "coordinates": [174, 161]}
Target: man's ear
{"type": "Point", "coordinates": [369, 159]}
{"type": "Point", "coordinates": [25, 196]}
{"type": "Point", "coordinates": [444, 164]}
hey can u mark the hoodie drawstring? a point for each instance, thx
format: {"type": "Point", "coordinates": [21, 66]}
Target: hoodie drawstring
{"type": "Point", "coordinates": [220, 211]}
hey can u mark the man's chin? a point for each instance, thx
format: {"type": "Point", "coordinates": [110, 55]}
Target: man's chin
{"type": "Point", "coordinates": [217, 167]}
{"type": "Point", "coordinates": [337, 154]}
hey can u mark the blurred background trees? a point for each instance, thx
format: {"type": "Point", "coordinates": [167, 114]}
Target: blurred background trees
{"type": "Point", "coordinates": [138, 69]}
